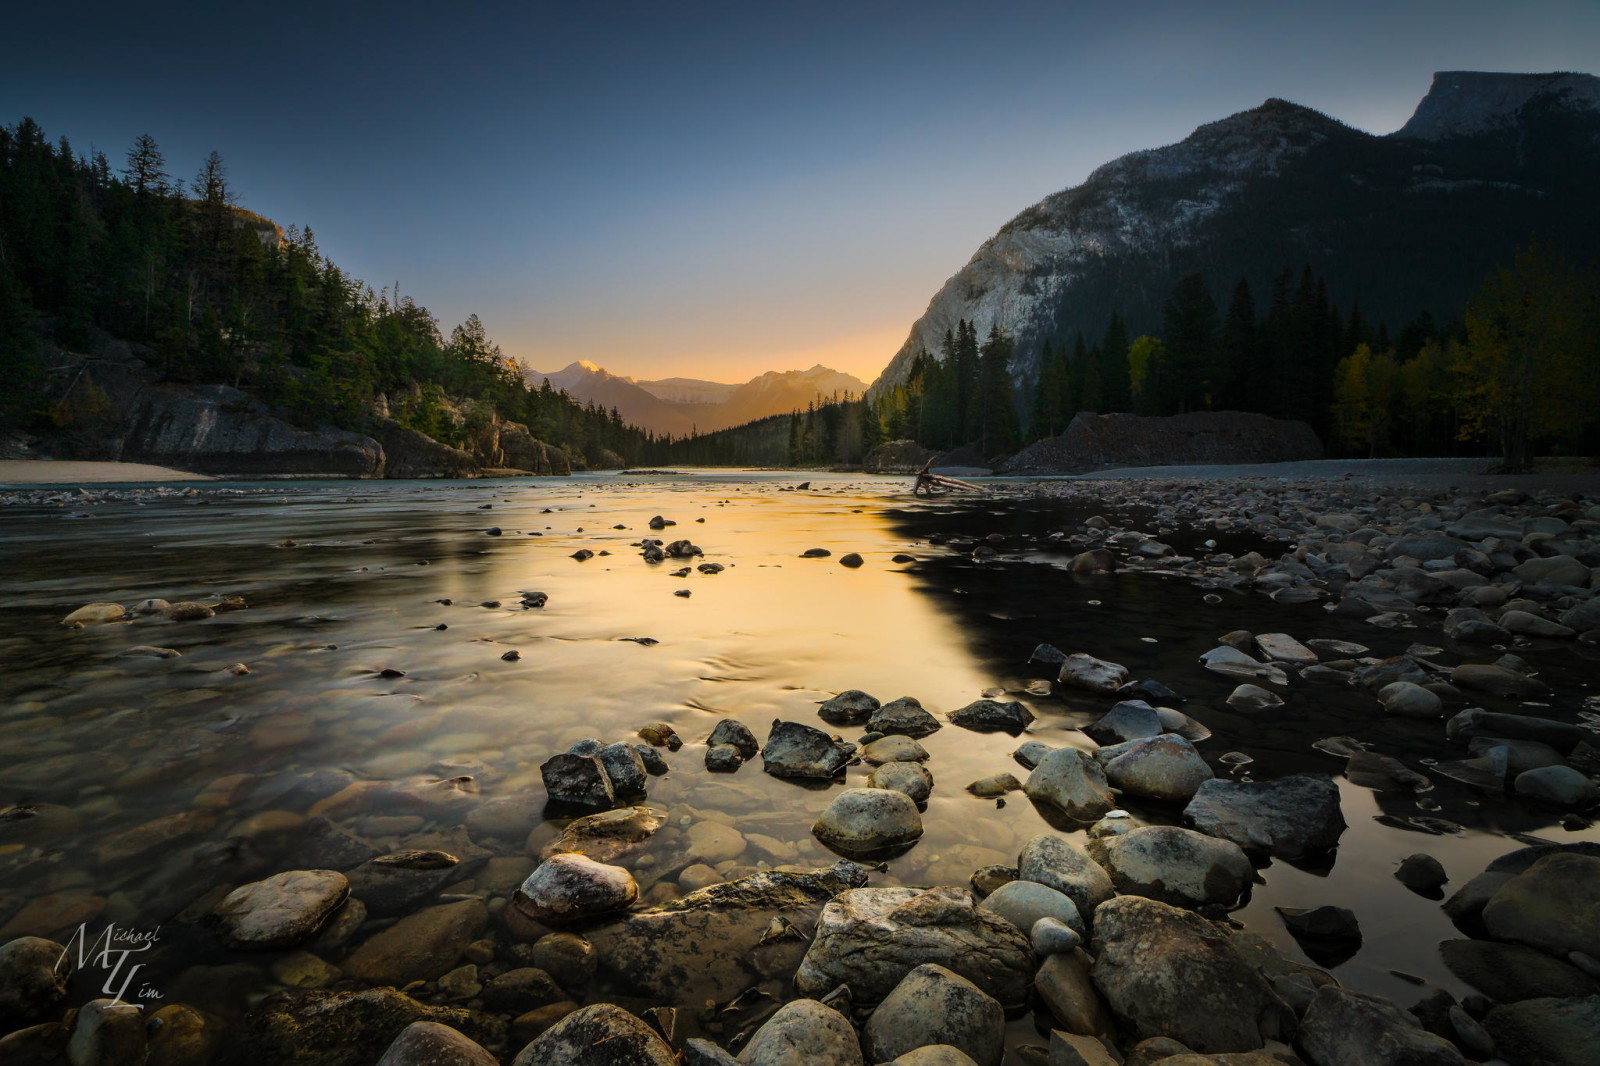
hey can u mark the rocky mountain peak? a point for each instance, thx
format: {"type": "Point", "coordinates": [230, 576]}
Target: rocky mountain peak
{"type": "Point", "coordinates": [1464, 103]}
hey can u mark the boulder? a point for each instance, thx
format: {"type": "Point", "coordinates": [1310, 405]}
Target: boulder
{"type": "Point", "coordinates": [904, 716]}
{"type": "Point", "coordinates": [1082, 671]}
{"type": "Point", "coordinates": [108, 1032]}
{"type": "Point", "coordinates": [571, 888]}
{"type": "Point", "coordinates": [803, 1032]}
{"type": "Point", "coordinates": [1559, 786]}
{"type": "Point", "coordinates": [736, 733]}
{"type": "Point", "coordinates": [1065, 985]}
{"type": "Point", "coordinates": [1553, 905]}
{"type": "Point", "coordinates": [600, 1034]}
{"type": "Point", "coordinates": [1164, 971]}
{"type": "Point", "coordinates": [911, 778]}
{"type": "Point", "coordinates": [420, 946]}
{"type": "Point", "coordinates": [33, 978]}
{"type": "Point", "coordinates": [867, 821]}
{"type": "Point", "coordinates": [988, 716]}
{"type": "Point", "coordinates": [578, 779]}
{"type": "Point", "coordinates": [850, 707]}
{"type": "Point", "coordinates": [1344, 1028]}
{"type": "Point", "coordinates": [1409, 700]}
{"type": "Point", "coordinates": [1025, 903]}
{"type": "Point", "coordinates": [1165, 767]}
{"type": "Point", "coordinates": [1071, 781]}
{"type": "Point", "coordinates": [432, 1044]}
{"type": "Point", "coordinates": [870, 938]}
{"type": "Point", "coordinates": [798, 750]}
{"type": "Point", "coordinates": [1053, 861]}
{"type": "Point", "coordinates": [1128, 720]}
{"type": "Point", "coordinates": [315, 1027]}
{"type": "Point", "coordinates": [933, 1005]}
{"type": "Point", "coordinates": [712, 944]}
{"type": "Point", "coordinates": [625, 767]}
{"type": "Point", "coordinates": [1556, 570]}
{"type": "Point", "coordinates": [1547, 1032]}
{"type": "Point", "coordinates": [1291, 817]}
{"type": "Point", "coordinates": [1176, 866]}
{"type": "Point", "coordinates": [1510, 972]}
{"type": "Point", "coordinates": [280, 911]}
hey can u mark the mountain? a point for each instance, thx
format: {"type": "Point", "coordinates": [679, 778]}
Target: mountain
{"type": "Point", "coordinates": [1401, 223]}
{"type": "Point", "coordinates": [681, 405]}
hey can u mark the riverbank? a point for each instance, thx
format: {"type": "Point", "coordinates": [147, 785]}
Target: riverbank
{"type": "Point", "coordinates": [70, 472]}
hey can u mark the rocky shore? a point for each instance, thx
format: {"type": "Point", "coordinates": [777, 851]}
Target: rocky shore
{"type": "Point", "coordinates": [576, 924]}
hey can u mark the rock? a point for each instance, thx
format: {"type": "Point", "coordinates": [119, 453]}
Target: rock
{"type": "Point", "coordinates": [1095, 561]}
{"type": "Point", "coordinates": [865, 821]}
{"type": "Point", "coordinates": [1496, 681]}
{"type": "Point", "coordinates": [1095, 675]}
{"type": "Point", "coordinates": [1128, 720]}
{"type": "Point", "coordinates": [33, 978]}
{"type": "Point", "coordinates": [714, 842]}
{"type": "Point", "coordinates": [802, 1032]}
{"type": "Point", "coordinates": [1169, 972]}
{"type": "Point", "coordinates": [432, 1044]}
{"type": "Point", "coordinates": [904, 716]}
{"type": "Point", "coordinates": [625, 767]}
{"type": "Point", "coordinates": [723, 759]}
{"type": "Point", "coordinates": [1547, 1032]}
{"type": "Point", "coordinates": [187, 611]}
{"type": "Point", "coordinates": [1025, 903]}
{"type": "Point", "coordinates": [567, 957]}
{"type": "Point", "coordinates": [1053, 861]}
{"type": "Point", "coordinates": [1343, 1028]}
{"type": "Point", "coordinates": [569, 888]}
{"type": "Point", "coordinates": [1291, 817]}
{"type": "Point", "coordinates": [1161, 768]}
{"type": "Point", "coordinates": [733, 732]}
{"type": "Point", "coordinates": [986, 716]}
{"type": "Point", "coordinates": [893, 748]}
{"type": "Point", "coordinates": [400, 882]}
{"type": "Point", "coordinates": [698, 1051]}
{"type": "Point", "coordinates": [1068, 991]}
{"type": "Point", "coordinates": [1554, 905]}
{"type": "Point", "coordinates": [1410, 700]}
{"type": "Point", "coordinates": [597, 1035]}
{"type": "Point", "coordinates": [1584, 617]}
{"type": "Point", "coordinates": [607, 836]}
{"type": "Point", "coordinates": [1421, 873]}
{"type": "Point", "coordinates": [850, 707]}
{"type": "Point", "coordinates": [1072, 782]}
{"type": "Point", "coordinates": [911, 778]}
{"type": "Point", "coordinates": [179, 1036]}
{"type": "Point", "coordinates": [1030, 753]}
{"type": "Point", "coordinates": [1176, 866]}
{"type": "Point", "coordinates": [933, 1005]}
{"type": "Point", "coordinates": [1052, 936]}
{"type": "Point", "coordinates": [95, 614]}
{"type": "Point", "coordinates": [578, 779]}
{"type": "Point", "coordinates": [995, 785]}
{"type": "Point", "coordinates": [1231, 662]}
{"type": "Point", "coordinates": [280, 911]}
{"type": "Point", "coordinates": [1281, 647]}
{"type": "Point", "coordinates": [716, 942]}
{"type": "Point", "coordinates": [798, 750]}
{"type": "Point", "coordinates": [420, 946]}
{"type": "Point", "coordinates": [1328, 935]}
{"type": "Point", "coordinates": [1559, 786]}
{"type": "Point", "coordinates": [1556, 570]}
{"type": "Point", "coordinates": [1510, 972]}
{"type": "Point", "coordinates": [1249, 697]}
{"type": "Point", "coordinates": [934, 1055]}
{"type": "Point", "coordinates": [316, 1027]}
{"type": "Point", "coordinates": [850, 559]}
{"type": "Point", "coordinates": [108, 1033]}
{"type": "Point", "coordinates": [1532, 625]}
{"type": "Point", "coordinates": [870, 938]}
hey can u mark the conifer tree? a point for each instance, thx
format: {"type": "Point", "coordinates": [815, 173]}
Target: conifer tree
{"type": "Point", "coordinates": [1114, 383]}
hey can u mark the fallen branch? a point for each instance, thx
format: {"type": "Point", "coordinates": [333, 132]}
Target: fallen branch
{"type": "Point", "coordinates": [931, 484]}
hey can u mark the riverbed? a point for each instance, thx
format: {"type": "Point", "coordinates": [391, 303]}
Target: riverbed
{"type": "Point", "coordinates": [371, 667]}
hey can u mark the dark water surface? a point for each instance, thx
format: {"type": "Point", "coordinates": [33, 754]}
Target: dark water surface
{"type": "Point", "coordinates": [105, 743]}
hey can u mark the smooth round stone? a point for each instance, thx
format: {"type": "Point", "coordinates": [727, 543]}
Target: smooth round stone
{"type": "Point", "coordinates": [1052, 936]}
{"type": "Point", "coordinates": [1115, 823]}
{"type": "Point", "coordinates": [566, 888]}
{"type": "Point", "coordinates": [94, 614]}
{"type": "Point", "coordinates": [280, 911]}
{"type": "Point", "coordinates": [1561, 786]}
{"type": "Point", "coordinates": [994, 785]}
{"type": "Point", "coordinates": [1410, 700]}
{"type": "Point", "coordinates": [850, 707]}
{"type": "Point", "coordinates": [1421, 872]}
{"type": "Point", "coordinates": [433, 1044]}
{"type": "Point", "coordinates": [909, 777]}
{"type": "Point", "coordinates": [865, 820]}
{"type": "Point", "coordinates": [699, 875]}
{"type": "Point", "coordinates": [31, 981]}
{"type": "Point", "coordinates": [894, 748]}
{"type": "Point", "coordinates": [1249, 697]}
{"type": "Point", "coordinates": [567, 957]}
{"type": "Point", "coordinates": [1023, 903]}
{"type": "Point", "coordinates": [714, 842]}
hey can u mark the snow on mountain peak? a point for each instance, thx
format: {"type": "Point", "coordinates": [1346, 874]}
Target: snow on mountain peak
{"type": "Point", "coordinates": [1461, 103]}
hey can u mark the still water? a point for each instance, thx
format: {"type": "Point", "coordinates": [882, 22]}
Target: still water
{"type": "Point", "coordinates": [380, 614]}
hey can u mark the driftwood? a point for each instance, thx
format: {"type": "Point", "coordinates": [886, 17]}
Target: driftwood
{"type": "Point", "coordinates": [931, 484]}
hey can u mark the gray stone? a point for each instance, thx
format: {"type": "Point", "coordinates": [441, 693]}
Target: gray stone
{"type": "Point", "coordinates": [1165, 767]}
{"type": "Point", "coordinates": [1557, 570]}
{"type": "Point", "coordinates": [1164, 971]}
{"type": "Point", "coordinates": [281, 911]}
{"type": "Point", "coordinates": [1560, 786]}
{"type": "Point", "coordinates": [1510, 972]}
{"type": "Point", "coordinates": [597, 1035]}
{"type": "Point", "coordinates": [1025, 903]}
{"type": "Point", "coordinates": [1248, 697]}
{"type": "Point", "coordinates": [933, 1005]}
{"type": "Point", "coordinates": [1082, 671]}
{"type": "Point", "coordinates": [1531, 625]}
{"type": "Point", "coordinates": [1553, 905]}
{"type": "Point", "coordinates": [865, 821]}
{"type": "Point", "coordinates": [1343, 1028]}
{"type": "Point", "coordinates": [1128, 720]}
{"type": "Point", "coordinates": [570, 888]}
{"type": "Point", "coordinates": [933, 1055]}
{"type": "Point", "coordinates": [1281, 647]}
{"type": "Point", "coordinates": [1176, 866]}
{"type": "Point", "coordinates": [1409, 700]}
{"type": "Point", "coordinates": [1056, 862]}
{"type": "Point", "coordinates": [870, 938]}
{"type": "Point", "coordinates": [1231, 662]}
{"type": "Point", "coordinates": [798, 750]}
{"type": "Point", "coordinates": [1071, 781]}
{"type": "Point", "coordinates": [723, 758]}
{"type": "Point", "coordinates": [995, 785]}
{"type": "Point", "coordinates": [905, 717]}
{"type": "Point", "coordinates": [893, 748]}
{"type": "Point", "coordinates": [33, 977]}
{"type": "Point", "coordinates": [734, 732]}
{"type": "Point", "coordinates": [993, 716]}
{"type": "Point", "coordinates": [432, 1044]}
{"type": "Point", "coordinates": [1068, 991]}
{"type": "Point", "coordinates": [577, 779]}
{"type": "Point", "coordinates": [1052, 936]}
{"type": "Point", "coordinates": [108, 1033]}
{"type": "Point", "coordinates": [803, 1032]}
{"type": "Point", "coordinates": [625, 768]}
{"type": "Point", "coordinates": [420, 946]}
{"type": "Point", "coordinates": [1496, 681]}
{"type": "Point", "coordinates": [911, 778]}
{"type": "Point", "coordinates": [1290, 817]}
{"type": "Point", "coordinates": [850, 707]}
{"type": "Point", "coordinates": [1421, 873]}
{"type": "Point", "coordinates": [1547, 1032]}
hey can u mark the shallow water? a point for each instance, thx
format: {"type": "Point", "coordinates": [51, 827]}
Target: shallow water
{"type": "Point", "coordinates": [106, 742]}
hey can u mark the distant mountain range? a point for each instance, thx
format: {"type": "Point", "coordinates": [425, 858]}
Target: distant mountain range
{"type": "Point", "coordinates": [1408, 222]}
{"type": "Point", "coordinates": [679, 406]}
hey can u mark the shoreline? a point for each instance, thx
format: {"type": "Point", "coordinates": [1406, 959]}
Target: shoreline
{"type": "Point", "coordinates": [34, 473]}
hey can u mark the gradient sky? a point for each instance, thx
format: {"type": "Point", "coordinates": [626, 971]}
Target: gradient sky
{"type": "Point", "coordinates": [710, 189]}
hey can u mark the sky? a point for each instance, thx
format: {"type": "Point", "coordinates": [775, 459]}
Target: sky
{"type": "Point", "coordinates": [710, 189]}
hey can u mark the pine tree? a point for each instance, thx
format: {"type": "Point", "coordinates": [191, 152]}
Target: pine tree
{"type": "Point", "coordinates": [146, 170]}
{"type": "Point", "coordinates": [997, 426]}
{"type": "Point", "coordinates": [1182, 382]}
{"type": "Point", "coordinates": [1114, 382]}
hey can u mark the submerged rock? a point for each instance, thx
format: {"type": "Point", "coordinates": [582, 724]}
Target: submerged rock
{"type": "Point", "coordinates": [798, 750]}
{"type": "Point", "coordinates": [280, 911]}
{"type": "Point", "coordinates": [33, 977]}
{"type": "Point", "coordinates": [993, 716]}
{"type": "Point", "coordinates": [1290, 817]}
{"type": "Point", "coordinates": [1344, 1028]}
{"type": "Point", "coordinates": [866, 821]}
{"type": "Point", "coordinates": [570, 887]}
{"type": "Point", "coordinates": [1072, 782]}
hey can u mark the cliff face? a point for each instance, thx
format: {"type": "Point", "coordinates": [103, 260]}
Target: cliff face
{"type": "Point", "coordinates": [1401, 223]}
{"type": "Point", "coordinates": [1101, 442]}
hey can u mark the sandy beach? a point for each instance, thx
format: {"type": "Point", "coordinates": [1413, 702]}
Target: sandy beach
{"type": "Point", "coordinates": [69, 472]}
